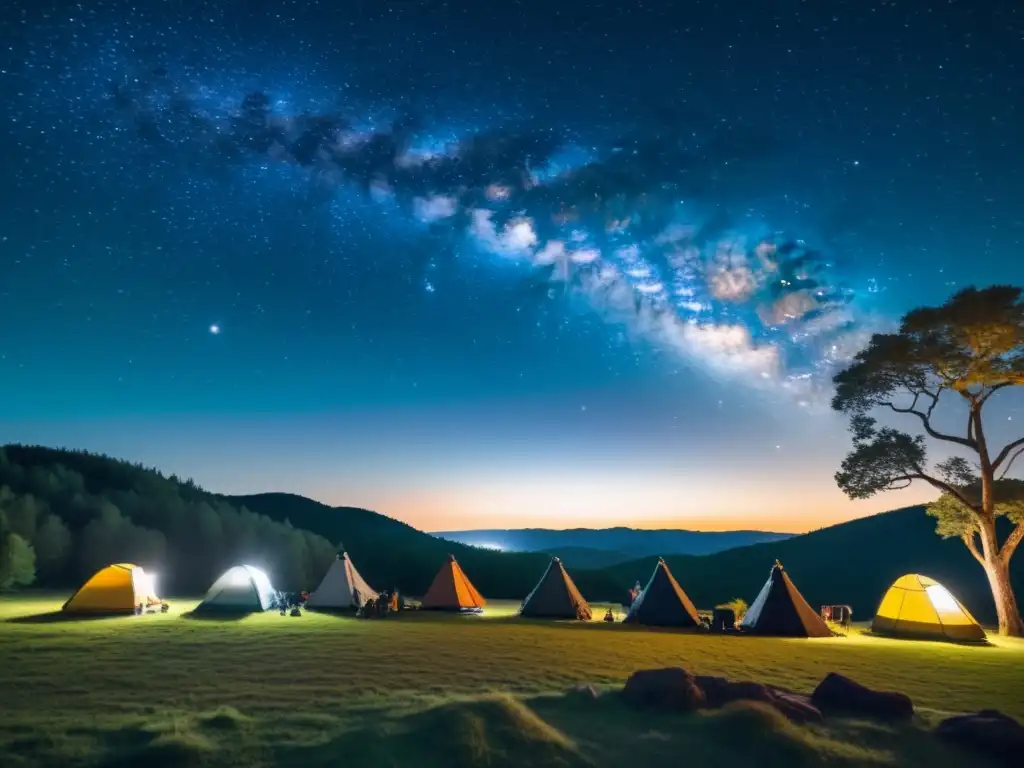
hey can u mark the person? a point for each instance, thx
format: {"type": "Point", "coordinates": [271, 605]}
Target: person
{"type": "Point", "coordinates": [609, 617]}
{"type": "Point", "coordinates": [394, 600]}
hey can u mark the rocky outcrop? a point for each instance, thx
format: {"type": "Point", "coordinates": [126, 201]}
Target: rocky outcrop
{"type": "Point", "coordinates": [675, 689]}
{"type": "Point", "coordinates": [840, 695]}
{"type": "Point", "coordinates": [989, 733]}
{"type": "Point", "coordinates": [671, 689]}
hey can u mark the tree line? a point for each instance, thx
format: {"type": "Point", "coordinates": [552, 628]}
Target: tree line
{"type": "Point", "coordinates": [65, 514]}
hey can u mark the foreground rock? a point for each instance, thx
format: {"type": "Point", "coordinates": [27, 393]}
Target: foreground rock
{"type": "Point", "coordinates": [673, 689]}
{"type": "Point", "coordinates": [988, 732]}
{"type": "Point", "coordinates": [840, 695]}
{"type": "Point", "coordinates": [719, 691]}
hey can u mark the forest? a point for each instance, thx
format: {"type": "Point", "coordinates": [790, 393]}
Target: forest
{"type": "Point", "coordinates": [64, 514]}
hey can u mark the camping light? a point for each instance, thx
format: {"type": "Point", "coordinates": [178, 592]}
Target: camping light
{"type": "Point", "coordinates": [941, 598]}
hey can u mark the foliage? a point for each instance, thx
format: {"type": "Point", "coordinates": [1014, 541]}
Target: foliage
{"type": "Point", "coordinates": [971, 347]}
{"type": "Point", "coordinates": [17, 562]}
{"type": "Point", "coordinates": [81, 511]}
{"type": "Point", "coordinates": [737, 605]}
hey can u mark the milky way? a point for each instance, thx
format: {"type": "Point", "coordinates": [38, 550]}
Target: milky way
{"type": "Point", "coordinates": [626, 228]}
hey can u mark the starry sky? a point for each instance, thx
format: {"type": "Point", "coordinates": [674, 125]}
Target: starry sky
{"type": "Point", "coordinates": [482, 265]}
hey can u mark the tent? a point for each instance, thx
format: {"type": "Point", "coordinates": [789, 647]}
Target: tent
{"type": "Point", "coordinates": [555, 596]}
{"type": "Point", "coordinates": [119, 588]}
{"type": "Point", "coordinates": [781, 610]}
{"type": "Point", "coordinates": [663, 603]}
{"type": "Point", "coordinates": [917, 606]}
{"type": "Point", "coordinates": [342, 588]}
{"type": "Point", "coordinates": [241, 588]}
{"type": "Point", "coordinates": [452, 591]}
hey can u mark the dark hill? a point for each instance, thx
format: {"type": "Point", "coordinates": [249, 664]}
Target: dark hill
{"type": "Point", "coordinates": [635, 542]}
{"type": "Point", "coordinates": [390, 553]}
{"type": "Point", "coordinates": [851, 563]}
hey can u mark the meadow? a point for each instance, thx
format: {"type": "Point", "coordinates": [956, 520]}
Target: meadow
{"type": "Point", "coordinates": [447, 690]}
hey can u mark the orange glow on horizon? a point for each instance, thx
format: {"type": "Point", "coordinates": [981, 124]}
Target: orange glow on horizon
{"type": "Point", "coordinates": [795, 511]}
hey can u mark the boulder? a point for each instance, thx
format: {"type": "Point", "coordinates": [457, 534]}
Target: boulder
{"type": "Point", "coordinates": [672, 689]}
{"type": "Point", "coordinates": [797, 708]}
{"type": "Point", "coordinates": [837, 694]}
{"type": "Point", "coordinates": [988, 732]}
{"type": "Point", "coordinates": [719, 691]}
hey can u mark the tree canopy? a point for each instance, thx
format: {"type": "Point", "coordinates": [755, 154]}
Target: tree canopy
{"type": "Point", "coordinates": [964, 351]}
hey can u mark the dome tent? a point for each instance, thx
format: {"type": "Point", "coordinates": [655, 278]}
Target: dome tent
{"type": "Point", "coordinates": [917, 606]}
{"type": "Point", "coordinates": [241, 588]}
{"type": "Point", "coordinates": [118, 588]}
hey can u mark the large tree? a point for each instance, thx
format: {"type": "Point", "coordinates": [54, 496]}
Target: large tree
{"type": "Point", "coordinates": [964, 351]}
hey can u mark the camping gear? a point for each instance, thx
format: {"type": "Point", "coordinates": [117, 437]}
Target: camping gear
{"type": "Point", "coordinates": [917, 606]}
{"type": "Point", "coordinates": [663, 603]}
{"type": "Point", "coordinates": [342, 587]}
{"type": "Point", "coordinates": [452, 590]}
{"type": "Point", "coordinates": [781, 610]}
{"type": "Point", "coordinates": [241, 588]}
{"type": "Point", "coordinates": [555, 597]}
{"type": "Point", "coordinates": [723, 620]}
{"type": "Point", "coordinates": [119, 588]}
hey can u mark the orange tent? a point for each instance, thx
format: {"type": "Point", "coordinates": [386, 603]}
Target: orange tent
{"type": "Point", "coordinates": [452, 591]}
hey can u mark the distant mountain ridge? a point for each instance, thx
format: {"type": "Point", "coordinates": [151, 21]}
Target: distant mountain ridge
{"type": "Point", "coordinates": [633, 542]}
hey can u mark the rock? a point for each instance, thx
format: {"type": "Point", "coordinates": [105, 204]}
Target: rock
{"type": "Point", "coordinates": [988, 732]}
{"type": "Point", "coordinates": [837, 694]}
{"type": "Point", "coordinates": [797, 708]}
{"type": "Point", "coordinates": [672, 689]}
{"type": "Point", "coordinates": [719, 691]}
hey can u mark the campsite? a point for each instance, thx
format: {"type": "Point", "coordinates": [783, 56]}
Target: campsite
{"type": "Point", "coordinates": [451, 689]}
{"type": "Point", "coordinates": [120, 676]}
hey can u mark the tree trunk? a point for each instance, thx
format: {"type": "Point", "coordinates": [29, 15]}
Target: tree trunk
{"type": "Point", "coordinates": [998, 572]}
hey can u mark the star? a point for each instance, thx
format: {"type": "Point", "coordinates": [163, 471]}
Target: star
{"type": "Point", "coordinates": [215, 329]}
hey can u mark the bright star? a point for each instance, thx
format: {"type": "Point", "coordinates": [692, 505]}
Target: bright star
{"type": "Point", "coordinates": [215, 329]}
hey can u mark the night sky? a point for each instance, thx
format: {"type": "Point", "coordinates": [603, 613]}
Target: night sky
{"type": "Point", "coordinates": [493, 264]}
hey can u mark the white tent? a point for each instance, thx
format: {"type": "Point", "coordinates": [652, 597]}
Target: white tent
{"type": "Point", "coordinates": [342, 587]}
{"type": "Point", "coordinates": [241, 588]}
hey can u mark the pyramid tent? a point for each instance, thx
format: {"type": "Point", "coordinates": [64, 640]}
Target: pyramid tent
{"type": "Point", "coordinates": [917, 606]}
{"type": "Point", "coordinates": [241, 588]}
{"type": "Point", "coordinates": [781, 610]}
{"type": "Point", "coordinates": [452, 591]}
{"type": "Point", "coordinates": [342, 588]}
{"type": "Point", "coordinates": [118, 588]}
{"type": "Point", "coordinates": [663, 603]}
{"type": "Point", "coordinates": [555, 596]}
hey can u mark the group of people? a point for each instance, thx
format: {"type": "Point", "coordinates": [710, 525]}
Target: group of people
{"type": "Point", "coordinates": [634, 593]}
{"type": "Point", "coordinates": [380, 606]}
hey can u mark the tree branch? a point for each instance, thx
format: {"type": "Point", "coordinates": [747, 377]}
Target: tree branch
{"type": "Point", "coordinates": [952, 490]}
{"type": "Point", "coordinates": [972, 547]}
{"type": "Point", "coordinates": [1009, 464]}
{"type": "Point", "coordinates": [996, 388]}
{"type": "Point", "coordinates": [1015, 538]}
{"type": "Point", "coordinates": [926, 421]}
{"type": "Point", "coordinates": [1003, 454]}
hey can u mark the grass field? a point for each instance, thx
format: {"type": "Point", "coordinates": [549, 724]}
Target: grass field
{"type": "Point", "coordinates": [445, 690]}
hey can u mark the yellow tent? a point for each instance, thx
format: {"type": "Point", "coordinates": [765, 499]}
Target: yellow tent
{"type": "Point", "coordinates": [917, 606]}
{"type": "Point", "coordinates": [119, 588]}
